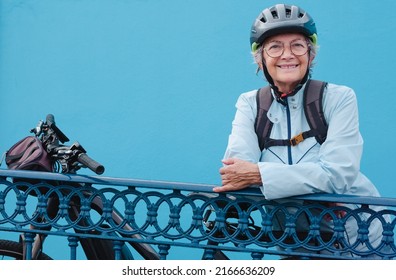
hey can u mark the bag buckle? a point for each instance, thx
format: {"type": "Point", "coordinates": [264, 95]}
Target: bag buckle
{"type": "Point", "coordinates": [297, 139]}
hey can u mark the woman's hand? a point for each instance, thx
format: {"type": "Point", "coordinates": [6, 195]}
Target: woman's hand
{"type": "Point", "coordinates": [238, 174]}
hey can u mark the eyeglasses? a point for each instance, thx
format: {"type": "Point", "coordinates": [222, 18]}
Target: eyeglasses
{"type": "Point", "coordinates": [275, 49]}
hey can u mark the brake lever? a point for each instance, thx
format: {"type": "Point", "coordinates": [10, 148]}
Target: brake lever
{"type": "Point", "coordinates": [50, 121]}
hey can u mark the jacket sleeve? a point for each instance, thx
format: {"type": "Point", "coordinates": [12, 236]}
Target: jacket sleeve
{"type": "Point", "coordinates": [243, 142]}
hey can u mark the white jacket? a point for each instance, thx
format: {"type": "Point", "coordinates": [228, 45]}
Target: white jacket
{"type": "Point", "coordinates": [333, 167]}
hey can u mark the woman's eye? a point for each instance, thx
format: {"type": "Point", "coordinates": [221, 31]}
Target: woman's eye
{"type": "Point", "coordinates": [275, 47]}
{"type": "Point", "coordinates": [298, 45]}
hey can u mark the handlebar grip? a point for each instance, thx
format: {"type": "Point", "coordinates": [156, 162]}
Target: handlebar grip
{"type": "Point", "coordinates": [96, 167]}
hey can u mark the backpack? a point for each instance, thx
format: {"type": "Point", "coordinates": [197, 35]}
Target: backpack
{"type": "Point", "coordinates": [313, 109]}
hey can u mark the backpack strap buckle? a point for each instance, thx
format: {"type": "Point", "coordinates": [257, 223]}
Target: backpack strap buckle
{"type": "Point", "coordinates": [297, 139]}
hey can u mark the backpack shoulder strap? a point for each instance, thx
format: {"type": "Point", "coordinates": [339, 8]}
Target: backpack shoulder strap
{"type": "Point", "coordinates": [313, 109]}
{"type": "Point", "coordinates": [262, 124]}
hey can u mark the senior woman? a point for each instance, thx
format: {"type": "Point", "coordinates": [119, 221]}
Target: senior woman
{"type": "Point", "coordinates": [284, 42]}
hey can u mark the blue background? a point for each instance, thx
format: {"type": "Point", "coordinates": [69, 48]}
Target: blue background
{"type": "Point", "coordinates": [148, 87]}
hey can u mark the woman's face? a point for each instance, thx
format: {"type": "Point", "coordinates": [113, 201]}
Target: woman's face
{"type": "Point", "coordinates": [287, 59]}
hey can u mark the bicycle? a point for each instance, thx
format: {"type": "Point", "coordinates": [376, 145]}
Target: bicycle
{"type": "Point", "coordinates": [68, 160]}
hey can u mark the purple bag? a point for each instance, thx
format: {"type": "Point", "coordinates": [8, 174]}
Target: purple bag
{"type": "Point", "coordinates": [28, 154]}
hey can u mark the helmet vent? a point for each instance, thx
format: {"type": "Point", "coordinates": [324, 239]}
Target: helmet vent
{"type": "Point", "coordinates": [275, 15]}
{"type": "Point", "coordinates": [288, 13]}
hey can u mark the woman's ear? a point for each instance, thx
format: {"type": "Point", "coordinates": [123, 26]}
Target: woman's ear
{"type": "Point", "coordinates": [260, 64]}
{"type": "Point", "coordinates": [311, 58]}
{"type": "Point", "coordinates": [259, 67]}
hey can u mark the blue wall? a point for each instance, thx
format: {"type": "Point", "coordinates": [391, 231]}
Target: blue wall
{"type": "Point", "coordinates": [148, 87]}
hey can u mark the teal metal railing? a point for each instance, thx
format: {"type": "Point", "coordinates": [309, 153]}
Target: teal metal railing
{"type": "Point", "coordinates": [153, 218]}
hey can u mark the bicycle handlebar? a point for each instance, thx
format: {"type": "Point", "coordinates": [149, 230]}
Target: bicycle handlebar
{"type": "Point", "coordinates": [71, 157]}
{"type": "Point", "coordinates": [85, 160]}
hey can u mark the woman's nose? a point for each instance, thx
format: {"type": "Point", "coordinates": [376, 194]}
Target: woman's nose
{"type": "Point", "coordinates": [287, 52]}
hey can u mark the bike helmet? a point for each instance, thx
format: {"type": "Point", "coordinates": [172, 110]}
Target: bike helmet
{"type": "Point", "coordinates": [281, 19]}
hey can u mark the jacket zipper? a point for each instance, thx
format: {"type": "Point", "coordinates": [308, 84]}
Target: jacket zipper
{"type": "Point", "coordinates": [290, 159]}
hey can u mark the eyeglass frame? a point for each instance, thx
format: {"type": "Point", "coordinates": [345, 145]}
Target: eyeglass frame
{"type": "Point", "coordinates": [290, 47]}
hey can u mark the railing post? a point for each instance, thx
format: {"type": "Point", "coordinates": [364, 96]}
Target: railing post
{"type": "Point", "coordinates": [28, 244]}
{"type": "Point", "coordinates": [257, 256]}
{"type": "Point", "coordinates": [208, 254]}
{"type": "Point", "coordinates": [117, 249]}
{"type": "Point", "coordinates": [163, 250]}
{"type": "Point", "coordinates": [73, 243]}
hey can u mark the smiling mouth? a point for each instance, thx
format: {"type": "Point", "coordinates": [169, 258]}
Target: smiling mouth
{"type": "Point", "coordinates": [288, 66]}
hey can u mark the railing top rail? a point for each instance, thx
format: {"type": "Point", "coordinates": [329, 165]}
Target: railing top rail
{"type": "Point", "coordinates": [183, 186]}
